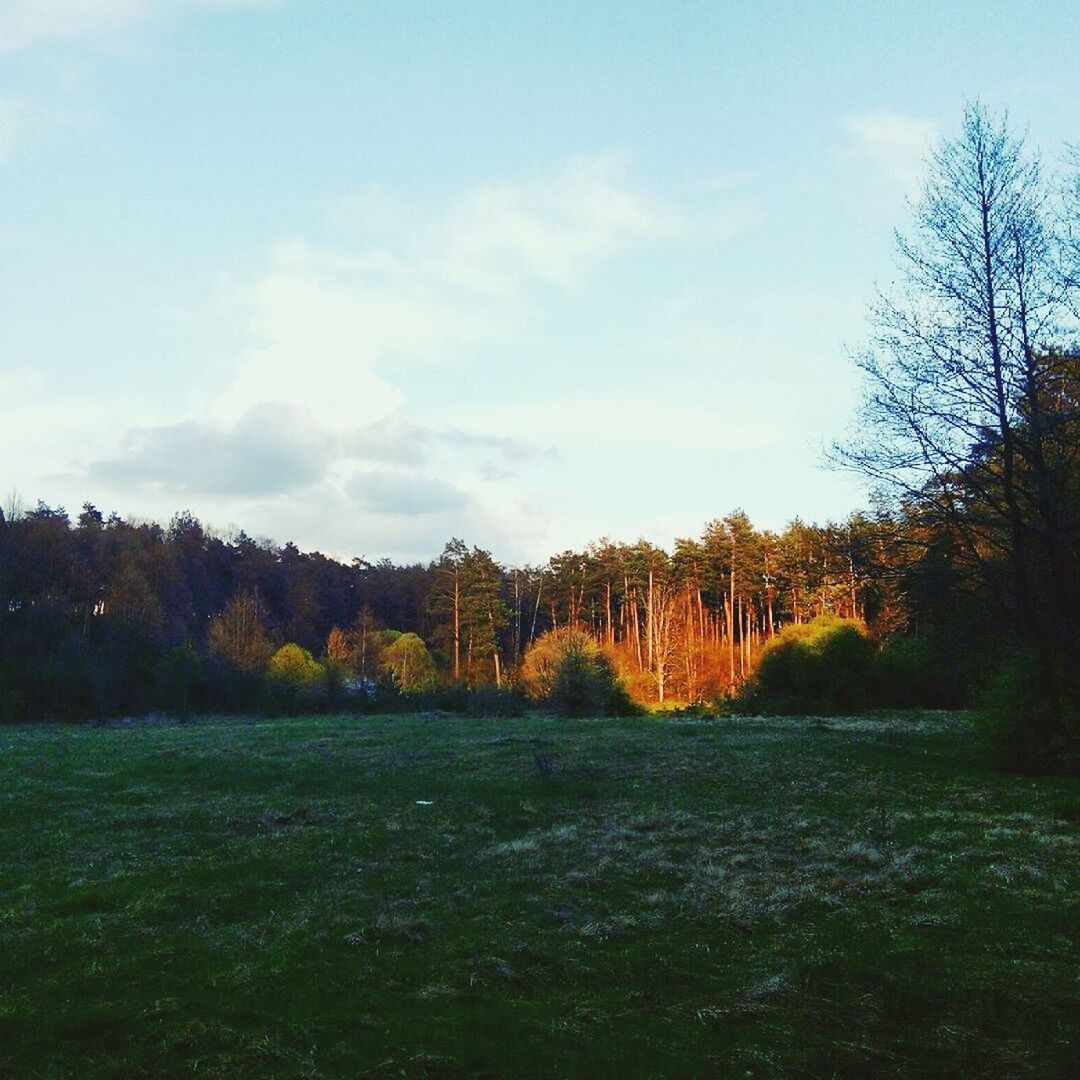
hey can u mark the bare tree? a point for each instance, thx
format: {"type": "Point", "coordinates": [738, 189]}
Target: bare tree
{"type": "Point", "coordinates": [959, 418]}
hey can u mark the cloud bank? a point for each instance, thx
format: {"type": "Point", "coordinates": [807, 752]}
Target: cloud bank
{"type": "Point", "coordinates": [316, 402]}
{"type": "Point", "coordinates": [276, 448]}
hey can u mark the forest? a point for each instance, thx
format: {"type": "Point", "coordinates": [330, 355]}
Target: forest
{"type": "Point", "coordinates": [103, 616]}
{"type": "Point", "coordinates": [961, 587]}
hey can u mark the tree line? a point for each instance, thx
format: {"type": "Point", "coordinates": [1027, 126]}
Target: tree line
{"type": "Point", "coordinates": [99, 615]}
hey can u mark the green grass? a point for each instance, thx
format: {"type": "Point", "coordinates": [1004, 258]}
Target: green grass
{"type": "Point", "coordinates": [653, 898]}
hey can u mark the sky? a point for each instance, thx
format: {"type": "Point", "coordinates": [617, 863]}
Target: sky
{"type": "Point", "coordinates": [366, 276]}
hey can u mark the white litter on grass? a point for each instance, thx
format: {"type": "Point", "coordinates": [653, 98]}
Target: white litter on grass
{"type": "Point", "coordinates": [424, 802]}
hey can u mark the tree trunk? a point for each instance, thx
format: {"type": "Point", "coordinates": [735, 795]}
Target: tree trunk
{"type": "Point", "coordinates": [495, 652]}
{"type": "Point", "coordinates": [650, 623]}
{"type": "Point", "coordinates": [457, 626]}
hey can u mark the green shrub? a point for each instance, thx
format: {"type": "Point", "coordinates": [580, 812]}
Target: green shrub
{"type": "Point", "coordinates": [408, 664]}
{"type": "Point", "coordinates": [295, 681]}
{"type": "Point", "coordinates": [180, 680]}
{"type": "Point", "coordinates": [1029, 716]}
{"type": "Point", "coordinates": [294, 665]}
{"type": "Point", "coordinates": [580, 687]}
{"type": "Point", "coordinates": [566, 670]}
{"type": "Point", "coordinates": [915, 672]}
{"type": "Point", "coordinates": [495, 701]}
{"type": "Point", "coordinates": [828, 665]}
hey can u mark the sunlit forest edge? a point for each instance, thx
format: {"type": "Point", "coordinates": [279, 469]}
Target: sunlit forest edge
{"type": "Point", "coordinates": [106, 616]}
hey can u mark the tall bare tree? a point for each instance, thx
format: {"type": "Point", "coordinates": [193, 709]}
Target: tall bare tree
{"type": "Point", "coordinates": [958, 418]}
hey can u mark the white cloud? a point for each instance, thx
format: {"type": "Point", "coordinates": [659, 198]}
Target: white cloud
{"type": "Point", "coordinates": [897, 143]}
{"type": "Point", "coordinates": [276, 448]}
{"type": "Point", "coordinates": [328, 519]}
{"type": "Point", "coordinates": [319, 342]}
{"type": "Point", "coordinates": [633, 419]}
{"type": "Point", "coordinates": [331, 323]}
{"type": "Point", "coordinates": [319, 393]}
{"type": "Point", "coordinates": [25, 22]}
{"type": "Point", "coordinates": [333, 327]}
{"type": "Point", "coordinates": [42, 438]}
{"type": "Point", "coordinates": [552, 231]}
{"type": "Point", "coordinates": [272, 449]}
{"type": "Point", "coordinates": [397, 492]}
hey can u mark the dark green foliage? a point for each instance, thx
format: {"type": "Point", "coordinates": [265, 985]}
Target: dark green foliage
{"type": "Point", "coordinates": [289, 699]}
{"type": "Point", "coordinates": [581, 685]}
{"type": "Point", "coordinates": [828, 665]}
{"type": "Point", "coordinates": [1029, 716]}
{"type": "Point", "coordinates": [295, 682]}
{"type": "Point", "coordinates": [566, 672]}
{"type": "Point", "coordinates": [106, 618]}
{"type": "Point", "coordinates": [619, 701]}
{"type": "Point", "coordinates": [12, 702]}
{"type": "Point", "coordinates": [970, 423]}
{"type": "Point", "coordinates": [454, 698]}
{"type": "Point", "coordinates": [587, 685]}
{"type": "Point", "coordinates": [833, 665]}
{"type": "Point", "coordinates": [918, 672]}
{"type": "Point", "coordinates": [230, 690]}
{"type": "Point", "coordinates": [495, 701]}
{"type": "Point", "coordinates": [181, 680]}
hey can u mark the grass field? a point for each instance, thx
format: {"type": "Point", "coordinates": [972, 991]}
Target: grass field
{"type": "Point", "coordinates": [435, 896]}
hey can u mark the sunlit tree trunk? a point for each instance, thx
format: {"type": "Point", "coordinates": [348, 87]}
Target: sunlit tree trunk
{"type": "Point", "coordinates": [495, 653]}
{"type": "Point", "coordinates": [689, 647]}
{"type": "Point", "coordinates": [729, 613]}
{"type": "Point", "coordinates": [742, 639]}
{"type": "Point", "coordinates": [771, 624]}
{"type": "Point", "coordinates": [851, 584]}
{"type": "Point", "coordinates": [536, 610]}
{"type": "Point", "coordinates": [457, 625]}
{"type": "Point", "coordinates": [650, 623]}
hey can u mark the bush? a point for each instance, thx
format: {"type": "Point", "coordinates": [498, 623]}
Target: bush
{"type": "Point", "coordinates": [294, 665]}
{"type": "Point", "coordinates": [566, 670]}
{"type": "Point", "coordinates": [295, 681]}
{"type": "Point", "coordinates": [495, 701]}
{"type": "Point", "coordinates": [579, 687]}
{"type": "Point", "coordinates": [540, 666]}
{"type": "Point", "coordinates": [914, 672]}
{"type": "Point", "coordinates": [408, 664]}
{"type": "Point", "coordinates": [454, 698]}
{"type": "Point", "coordinates": [181, 683]}
{"type": "Point", "coordinates": [1029, 716]}
{"type": "Point", "coordinates": [828, 665]}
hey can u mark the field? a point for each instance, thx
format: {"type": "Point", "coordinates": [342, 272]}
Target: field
{"type": "Point", "coordinates": [436, 896]}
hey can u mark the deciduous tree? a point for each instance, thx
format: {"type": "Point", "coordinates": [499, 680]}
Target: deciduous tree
{"type": "Point", "coordinates": [959, 416]}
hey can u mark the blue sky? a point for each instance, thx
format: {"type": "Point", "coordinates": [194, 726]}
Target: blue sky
{"type": "Point", "coordinates": [369, 275]}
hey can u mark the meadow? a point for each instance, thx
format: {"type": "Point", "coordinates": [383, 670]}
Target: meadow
{"type": "Point", "coordinates": [443, 896]}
